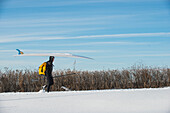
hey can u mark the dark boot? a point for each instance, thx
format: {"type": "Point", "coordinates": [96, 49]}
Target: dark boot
{"type": "Point", "coordinates": [48, 88]}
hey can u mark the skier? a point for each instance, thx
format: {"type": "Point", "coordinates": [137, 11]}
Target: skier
{"type": "Point", "coordinates": [49, 69]}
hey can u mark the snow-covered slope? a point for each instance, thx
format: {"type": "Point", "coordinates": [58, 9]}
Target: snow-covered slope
{"type": "Point", "coordinates": [102, 101]}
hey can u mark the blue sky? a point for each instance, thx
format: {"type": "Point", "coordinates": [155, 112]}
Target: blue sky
{"type": "Point", "coordinates": [116, 33]}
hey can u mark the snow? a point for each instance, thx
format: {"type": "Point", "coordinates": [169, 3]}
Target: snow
{"type": "Point", "coordinates": [156, 100]}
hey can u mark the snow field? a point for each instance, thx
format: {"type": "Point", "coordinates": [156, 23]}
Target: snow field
{"type": "Point", "coordinates": [96, 101]}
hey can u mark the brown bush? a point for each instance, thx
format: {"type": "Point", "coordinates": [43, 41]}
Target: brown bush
{"type": "Point", "coordinates": [135, 77]}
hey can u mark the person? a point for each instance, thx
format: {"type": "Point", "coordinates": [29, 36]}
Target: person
{"type": "Point", "coordinates": [49, 69]}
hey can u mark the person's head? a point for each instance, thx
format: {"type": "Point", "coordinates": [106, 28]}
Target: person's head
{"type": "Point", "coordinates": [51, 58]}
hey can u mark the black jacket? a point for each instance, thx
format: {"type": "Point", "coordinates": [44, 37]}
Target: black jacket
{"type": "Point", "coordinates": [49, 69]}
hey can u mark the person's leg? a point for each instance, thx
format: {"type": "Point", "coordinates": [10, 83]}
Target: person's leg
{"type": "Point", "coordinates": [50, 82]}
{"type": "Point", "coordinates": [48, 87]}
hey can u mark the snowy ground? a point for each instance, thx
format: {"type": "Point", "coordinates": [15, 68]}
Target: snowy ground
{"type": "Point", "coordinates": [102, 101]}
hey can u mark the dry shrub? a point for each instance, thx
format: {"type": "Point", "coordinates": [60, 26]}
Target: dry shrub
{"type": "Point", "coordinates": [135, 77]}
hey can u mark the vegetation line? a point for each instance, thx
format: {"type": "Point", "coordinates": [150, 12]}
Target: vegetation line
{"type": "Point", "coordinates": [135, 77]}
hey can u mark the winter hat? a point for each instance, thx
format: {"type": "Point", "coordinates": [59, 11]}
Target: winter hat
{"type": "Point", "coordinates": [51, 58]}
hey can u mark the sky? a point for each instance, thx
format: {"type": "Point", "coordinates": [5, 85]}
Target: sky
{"type": "Point", "coordinates": [116, 33]}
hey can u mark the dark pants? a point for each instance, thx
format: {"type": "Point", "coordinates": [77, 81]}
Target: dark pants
{"type": "Point", "coordinates": [49, 82]}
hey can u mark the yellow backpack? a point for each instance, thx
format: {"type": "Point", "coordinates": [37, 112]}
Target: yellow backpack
{"type": "Point", "coordinates": [42, 69]}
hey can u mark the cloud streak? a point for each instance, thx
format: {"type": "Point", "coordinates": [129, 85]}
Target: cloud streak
{"type": "Point", "coordinates": [45, 33]}
{"type": "Point", "coordinates": [60, 21]}
{"type": "Point", "coordinates": [108, 43]}
{"type": "Point", "coordinates": [144, 55]}
{"type": "Point", "coordinates": [126, 35]}
{"type": "Point", "coordinates": [52, 3]}
{"type": "Point", "coordinates": [53, 51]}
{"type": "Point", "coordinates": [132, 35]}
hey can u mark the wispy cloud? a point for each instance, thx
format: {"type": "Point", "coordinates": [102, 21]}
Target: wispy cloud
{"type": "Point", "coordinates": [21, 3]}
{"type": "Point", "coordinates": [126, 35]}
{"type": "Point", "coordinates": [109, 43]}
{"type": "Point", "coordinates": [67, 51]}
{"type": "Point", "coordinates": [6, 51]}
{"type": "Point", "coordinates": [151, 55]}
{"type": "Point", "coordinates": [14, 64]}
{"type": "Point", "coordinates": [52, 3]}
{"type": "Point", "coordinates": [46, 33]}
{"type": "Point", "coordinates": [134, 55]}
{"type": "Point", "coordinates": [53, 51]}
{"type": "Point", "coordinates": [106, 63]}
{"type": "Point", "coordinates": [60, 21]}
{"type": "Point", "coordinates": [54, 24]}
{"type": "Point", "coordinates": [136, 35]}
{"type": "Point", "coordinates": [144, 55]}
{"type": "Point", "coordinates": [7, 40]}
{"type": "Point", "coordinates": [112, 36]}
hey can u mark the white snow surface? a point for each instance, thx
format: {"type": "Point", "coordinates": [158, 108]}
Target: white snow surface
{"type": "Point", "coordinates": [153, 100]}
